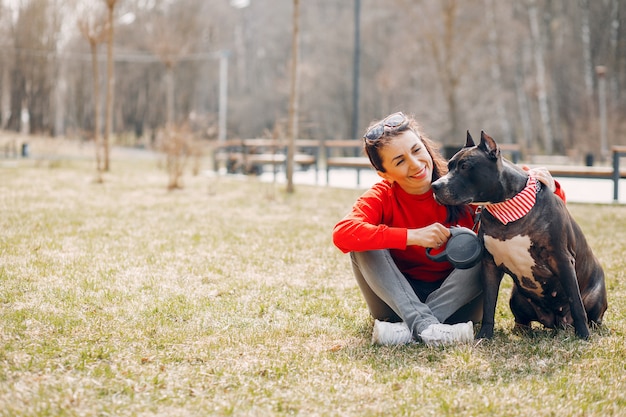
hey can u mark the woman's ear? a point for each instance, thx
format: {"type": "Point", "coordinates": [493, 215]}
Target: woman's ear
{"type": "Point", "coordinates": [384, 176]}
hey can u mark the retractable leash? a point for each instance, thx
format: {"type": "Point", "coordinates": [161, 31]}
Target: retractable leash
{"type": "Point", "coordinates": [463, 249]}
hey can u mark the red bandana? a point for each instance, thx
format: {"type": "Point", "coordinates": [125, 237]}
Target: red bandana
{"type": "Point", "coordinates": [518, 206]}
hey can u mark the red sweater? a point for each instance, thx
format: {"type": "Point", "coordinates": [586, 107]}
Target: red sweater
{"type": "Point", "coordinates": [380, 219]}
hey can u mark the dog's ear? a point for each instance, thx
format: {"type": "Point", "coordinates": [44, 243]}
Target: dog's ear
{"type": "Point", "coordinates": [489, 145]}
{"type": "Point", "coordinates": [469, 141]}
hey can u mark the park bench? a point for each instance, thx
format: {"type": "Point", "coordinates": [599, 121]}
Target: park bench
{"type": "Point", "coordinates": [251, 155]}
{"type": "Point", "coordinates": [228, 154]}
{"type": "Point", "coordinates": [347, 153]}
{"type": "Point", "coordinates": [613, 172]}
{"type": "Point", "coordinates": [10, 147]}
{"type": "Point", "coordinates": [260, 152]}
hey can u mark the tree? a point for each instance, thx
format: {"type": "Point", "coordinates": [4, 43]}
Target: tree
{"type": "Point", "coordinates": [446, 31]}
{"type": "Point", "coordinates": [542, 89]}
{"type": "Point", "coordinates": [108, 115]}
{"type": "Point", "coordinates": [453, 64]}
{"type": "Point", "coordinates": [95, 32]}
{"type": "Point", "coordinates": [34, 71]}
{"type": "Point", "coordinates": [293, 96]}
{"type": "Point", "coordinates": [496, 72]}
{"type": "Point", "coordinates": [171, 36]}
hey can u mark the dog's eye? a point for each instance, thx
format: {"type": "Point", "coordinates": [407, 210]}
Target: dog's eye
{"type": "Point", "coordinates": [464, 166]}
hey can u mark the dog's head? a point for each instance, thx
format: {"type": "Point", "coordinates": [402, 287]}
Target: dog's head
{"type": "Point", "coordinates": [473, 174]}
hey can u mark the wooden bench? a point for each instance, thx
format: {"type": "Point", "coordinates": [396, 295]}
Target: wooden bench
{"type": "Point", "coordinates": [250, 155]}
{"type": "Point", "coordinates": [9, 147]}
{"type": "Point", "coordinates": [259, 152]}
{"type": "Point", "coordinates": [228, 154]}
{"type": "Point", "coordinates": [346, 153]}
{"type": "Point", "coordinates": [614, 172]}
{"type": "Point", "coordinates": [578, 171]}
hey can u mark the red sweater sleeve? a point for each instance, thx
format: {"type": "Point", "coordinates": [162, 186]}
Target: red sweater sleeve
{"type": "Point", "coordinates": [559, 191]}
{"type": "Point", "coordinates": [360, 230]}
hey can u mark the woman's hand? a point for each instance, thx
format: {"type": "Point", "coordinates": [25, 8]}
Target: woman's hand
{"type": "Point", "coordinates": [543, 175]}
{"type": "Point", "coordinates": [433, 236]}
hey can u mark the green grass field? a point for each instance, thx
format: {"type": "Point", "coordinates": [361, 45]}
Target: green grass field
{"type": "Point", "coordinates": [228, 298]}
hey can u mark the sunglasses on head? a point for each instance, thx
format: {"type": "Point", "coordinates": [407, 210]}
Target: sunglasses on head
{"type": "Point", "coordinates": [393, 121]}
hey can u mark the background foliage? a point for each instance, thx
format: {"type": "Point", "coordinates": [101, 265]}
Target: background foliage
{"type": "Point", "coordinates": [525, 71]}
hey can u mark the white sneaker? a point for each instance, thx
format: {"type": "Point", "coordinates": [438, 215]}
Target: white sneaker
{"type": "Point", "coordinates": [444, 334]}
{"type": "Point", "coordinates": [386, 333]}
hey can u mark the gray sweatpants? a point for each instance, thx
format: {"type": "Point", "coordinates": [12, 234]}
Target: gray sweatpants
{"type": "Point", "coordinates": [391, 297]}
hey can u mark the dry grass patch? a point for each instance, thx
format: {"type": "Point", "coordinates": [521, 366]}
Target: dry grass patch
{"type": "Point", "coordinates": [228, 298]}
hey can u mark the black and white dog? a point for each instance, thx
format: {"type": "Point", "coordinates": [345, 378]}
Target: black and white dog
{"type": "Point", "coordinates": [529, 234]}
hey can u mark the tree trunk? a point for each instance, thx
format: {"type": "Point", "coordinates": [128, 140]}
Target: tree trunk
{"type": "Point", "coordinates": [108, 122]}
{"type": "Point", "coordinates": [95, 33]}
{"type": "Point", "coordinates": [446, 72]}
{"type": "Point", "coordinates": [38, 102]}
{"type": "Point", "coordinates": [5, 97]}
{"type": "Point", "coordinates": [542, 95]}
{"type": "Point", "coordinates": [587, 64]}
{"type": "Point", "coordinates": [293, 97]}
{"type": "Point", "coordinates": [96, 103]}
{"type": "Point", "coordinates": [18, 93]}
{"type": "Point", "coordinates": [614, 50]}
{"type": "Point", "coordinates": [523, 105]}
{"type": "Point", "coordinates": [590, 114]}
{"type": "Point", "coordinates": [496, 73]}
{"type": "Point", "coordinates": [169, 93]}
{"type": "Point", "coordinates": [451, 76]}
{"type": "Point", "coordinates": [356, 70]}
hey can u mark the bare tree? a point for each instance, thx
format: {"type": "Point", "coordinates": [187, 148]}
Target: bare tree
{"type": "Point", "coordinates": [34, 70]}
{"type": "Point", "coordinates": [95, 32]}
{"type": "Point", "coordinates": [440, 59]}
{"type": "Point", "coordinates": [171, 36]}
{"type": "Point", "coordinates": [293, 96]}
{"type": "Point", "coordinates": [585, 32]}
{"type": "Point", "coordinates": [496, 72]}
{"type": "Point", "coordinates": [613, 43]}
{"type": "Point", "coordinates": [542, 89]}
{"type": "Point", "coordinates": [108, 112]}
{"type": "Point", "coordinates": [446, 31]}
{"type": "Point", "coordinates": [177, 143]}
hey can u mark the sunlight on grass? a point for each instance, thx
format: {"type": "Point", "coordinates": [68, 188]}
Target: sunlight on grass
{"type": "Point", "coordinates": [228, 298]}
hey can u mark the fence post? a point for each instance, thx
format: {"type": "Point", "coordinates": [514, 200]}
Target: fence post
{"type": "Point", "coordinates": [616, 175]}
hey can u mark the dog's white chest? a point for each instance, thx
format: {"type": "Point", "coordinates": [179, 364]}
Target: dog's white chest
{"type": "Point", "coordinates": [515, 255]}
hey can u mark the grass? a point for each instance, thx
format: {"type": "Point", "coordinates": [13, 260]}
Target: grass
{"type": "Point", "coordinates": [228, 298]}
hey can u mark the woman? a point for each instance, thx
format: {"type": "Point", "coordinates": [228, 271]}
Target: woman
{"type": "Point", "coordinates": [387, 233]}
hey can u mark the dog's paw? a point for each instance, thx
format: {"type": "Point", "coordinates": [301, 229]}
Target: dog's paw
{"type": "Point", "coordinates": [522, 329]}
{"type": "Point", "coordinates": [486, 332]}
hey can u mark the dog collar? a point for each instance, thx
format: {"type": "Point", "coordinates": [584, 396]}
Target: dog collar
{"type": "Point", "coordinates": [517, 207]}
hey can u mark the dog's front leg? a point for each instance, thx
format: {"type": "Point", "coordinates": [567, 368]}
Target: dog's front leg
{"type": "Point", "coordinates": [491, 278]}
{"type": "Point", "coordinates": [567, 275]}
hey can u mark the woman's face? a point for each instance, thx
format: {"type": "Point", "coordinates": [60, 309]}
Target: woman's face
{"type": "Point", "coordinates": [407, 163]}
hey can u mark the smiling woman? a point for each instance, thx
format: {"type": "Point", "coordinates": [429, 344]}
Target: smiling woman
{"type": "Point", "coordinates": [387, 233]}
